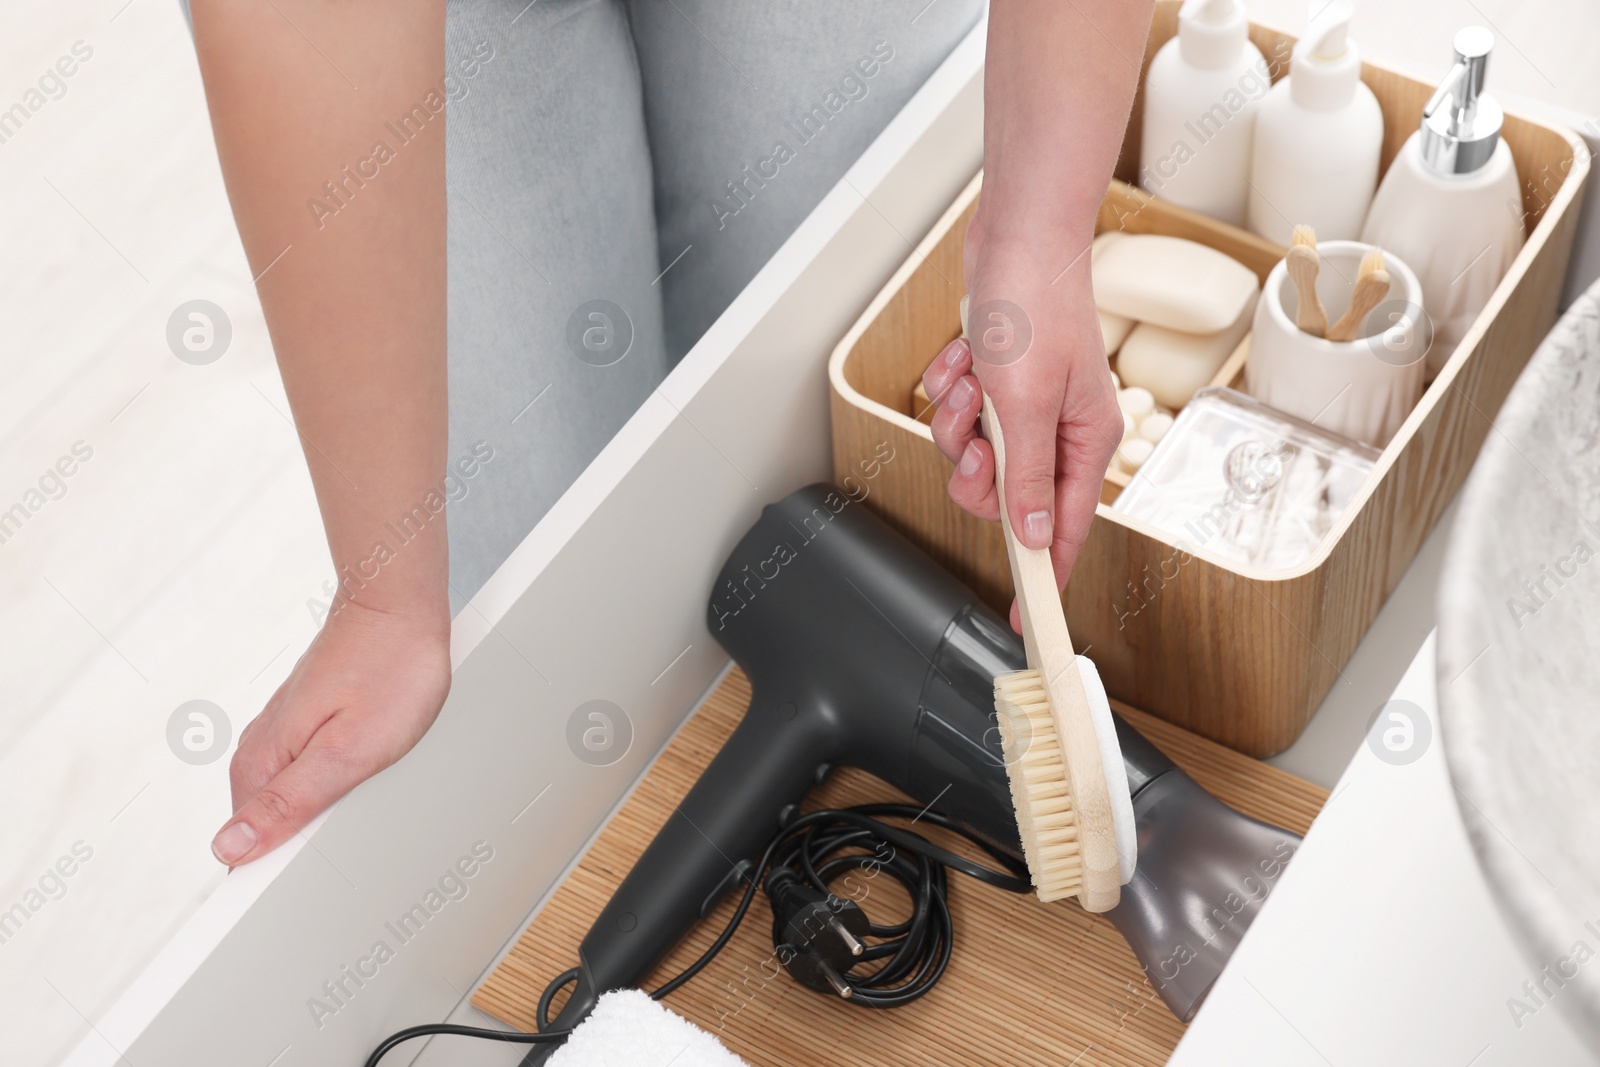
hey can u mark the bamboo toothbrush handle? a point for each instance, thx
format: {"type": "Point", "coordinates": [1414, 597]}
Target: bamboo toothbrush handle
{"type": "Point", "coordinates": [1049, 651]}
{"type": "Point", "coordinates": [1370, 290]}
{"type": "Point", "coordinates": [1309, 315]}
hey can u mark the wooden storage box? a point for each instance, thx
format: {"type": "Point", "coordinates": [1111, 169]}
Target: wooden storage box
{"type": "Point", "coordinates": [1236, 654]}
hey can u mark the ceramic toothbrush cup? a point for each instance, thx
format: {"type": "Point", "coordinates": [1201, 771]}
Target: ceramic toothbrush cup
{"type": "Point", "coordinates": [1363, 388]}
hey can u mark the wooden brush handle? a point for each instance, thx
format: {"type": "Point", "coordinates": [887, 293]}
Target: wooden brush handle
{"type": "Point", "coordinates": [1371, 288]}
{"type": "Point", "coordinates": [1049, 651]}
{"type": "Point", "coordinates": [1309, 315]}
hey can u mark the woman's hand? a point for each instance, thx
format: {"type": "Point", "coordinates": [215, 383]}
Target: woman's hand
{"type": "Point", "coordinates": [363, 694]}
{"type": "Point", "coordinates": [1036, 350]}
{"type": "Point", "coordinates": [1058, 85]}
{"type": "Point", "coordinates": [358, 314]}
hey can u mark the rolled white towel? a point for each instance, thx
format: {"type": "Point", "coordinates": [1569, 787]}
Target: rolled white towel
{"type": "Point", "coordinates": [627, 1027]}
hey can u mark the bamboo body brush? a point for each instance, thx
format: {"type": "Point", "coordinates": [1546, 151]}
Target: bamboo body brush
{"type": "Point", "coordinates": [1068, 782]}
{"type": "Point", "coordinates": [1069, 786]}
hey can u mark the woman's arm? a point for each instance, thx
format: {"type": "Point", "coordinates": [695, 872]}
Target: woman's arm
{"type": "Point", "coordinates": [1058, 87]}
{"type": "Point", "coordinates": [344, 225]}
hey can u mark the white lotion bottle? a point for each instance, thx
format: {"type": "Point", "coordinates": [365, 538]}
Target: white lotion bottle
{"type": "Point", "coordinates": [1319, 134]}
{"type": "Point", "coordinates": [1451, 203]}
{"type": "Point", "coordinates": [1200, 101]}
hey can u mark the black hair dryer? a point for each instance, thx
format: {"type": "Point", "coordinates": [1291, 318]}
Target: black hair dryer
{"type": "Point", "coordinates": [861, 650]}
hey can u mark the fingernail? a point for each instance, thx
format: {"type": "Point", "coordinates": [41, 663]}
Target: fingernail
{"type": "Point", "coordinates": [956, 353]}
{"type": "Point", "coordinates": [234, 842]}
{"type": "Point", "coordinates": [970, 459]}
{"type": "Point", "coordinates": [961, 396]}
{"type": "Point", "coordinates": [1036, 529]}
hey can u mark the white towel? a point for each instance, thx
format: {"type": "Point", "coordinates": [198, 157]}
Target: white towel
{"type": "Point", "coordinates": [627, 1027]}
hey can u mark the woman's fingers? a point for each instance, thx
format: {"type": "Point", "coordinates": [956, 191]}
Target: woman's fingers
{"type": "Point", "coordinates": [1030, 428]}
{"type": "Point", "coordinates": [1087, 442]}
{"type": "Point", "coordinates": [952, 386]}
{"type": "Point", "coordinates": [972, 482]}
{"type": "Point", "coordinates": [955, 424]}
{"type": "Point", "coordinates": [1054, 463]}
{"type": "Point", "coordinates": [948, 366]}
{"type": "Point", "coordinates": [257, 760]}
{"type": "Point", "coordinates": [276, 810]}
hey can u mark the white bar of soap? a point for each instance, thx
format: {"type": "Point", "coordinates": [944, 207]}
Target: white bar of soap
{"type": "Point", "coordinates": [1173, 365]}
{"type": "Point", "coordinates": [1172, 283]}
{"type": "Point", "coordinates": [1104, 241]}
{"type": "Point", "coordinates": [1114, 329]}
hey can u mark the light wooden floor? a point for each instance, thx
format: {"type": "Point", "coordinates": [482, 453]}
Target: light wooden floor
{"type": "Point", "coordinates": [1029, 983]}
{"type": "Point", "coordinates": [178, 563]}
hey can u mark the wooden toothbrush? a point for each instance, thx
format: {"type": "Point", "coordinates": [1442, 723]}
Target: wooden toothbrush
{"type": "Point", "coordinates": [1303, 265]}
{"type": "Point", "coordinates": [1372, 285]}
{"type": "Point", "coordinates": [1054, 753]}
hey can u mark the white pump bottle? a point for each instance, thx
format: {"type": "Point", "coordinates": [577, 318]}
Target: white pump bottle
{"type": "Point", "coordinates": [1200, 101]}
{"type": "Point", "coordinates": [1319, 134]}
{"type": "Point", "coordinates": [1451, 204]}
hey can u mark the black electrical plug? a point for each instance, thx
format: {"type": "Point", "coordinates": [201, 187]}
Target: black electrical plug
{"type": "Point", "coordinates": [819, 935]}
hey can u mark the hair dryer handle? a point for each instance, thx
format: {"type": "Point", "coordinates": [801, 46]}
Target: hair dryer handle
{"type": "Point", "coordinates": [707, 847]}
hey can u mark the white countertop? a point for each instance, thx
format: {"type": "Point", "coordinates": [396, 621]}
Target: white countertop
{"type": "Point", "coordinates": [1381, 945]}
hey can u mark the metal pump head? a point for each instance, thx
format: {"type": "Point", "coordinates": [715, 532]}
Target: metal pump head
{"type": "Point", "coordinates": [861, 650]}
{"type": "Point", "coordinates": [1460, 125]}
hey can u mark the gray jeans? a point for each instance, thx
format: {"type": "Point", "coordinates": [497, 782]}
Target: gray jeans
{"type": "Point", "coordinates": [618, 171]}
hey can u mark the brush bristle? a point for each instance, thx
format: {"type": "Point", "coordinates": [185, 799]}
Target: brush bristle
{"type": "Point", "coordinates": [1304, 236]}
{"type": "Point", "coordinates": [1371, 263]}
{"type": "Point", "coordinates": [1036, 766]}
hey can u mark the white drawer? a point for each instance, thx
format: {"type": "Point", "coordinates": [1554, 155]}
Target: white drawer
{"type": "Point", "coordinates": [605, 599]}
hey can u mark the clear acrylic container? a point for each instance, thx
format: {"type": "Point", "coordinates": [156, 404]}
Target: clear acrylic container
{"type": "Point", "coordinates": [1246, 482]}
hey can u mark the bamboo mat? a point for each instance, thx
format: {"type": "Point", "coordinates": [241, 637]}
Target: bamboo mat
{"type": "Point", "coordinates": [1029, 983]}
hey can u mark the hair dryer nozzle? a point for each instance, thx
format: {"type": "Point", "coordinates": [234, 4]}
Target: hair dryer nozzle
{"type": "Point", "coordinates": [1204, 872]}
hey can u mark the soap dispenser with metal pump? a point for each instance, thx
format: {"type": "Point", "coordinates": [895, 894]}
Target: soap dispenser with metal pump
{"type": "Point", "coordinates": [1451, 204]}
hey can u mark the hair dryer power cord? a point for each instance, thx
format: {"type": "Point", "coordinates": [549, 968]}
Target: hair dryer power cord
{"type": "Point", "coordinates": [819, 936]}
